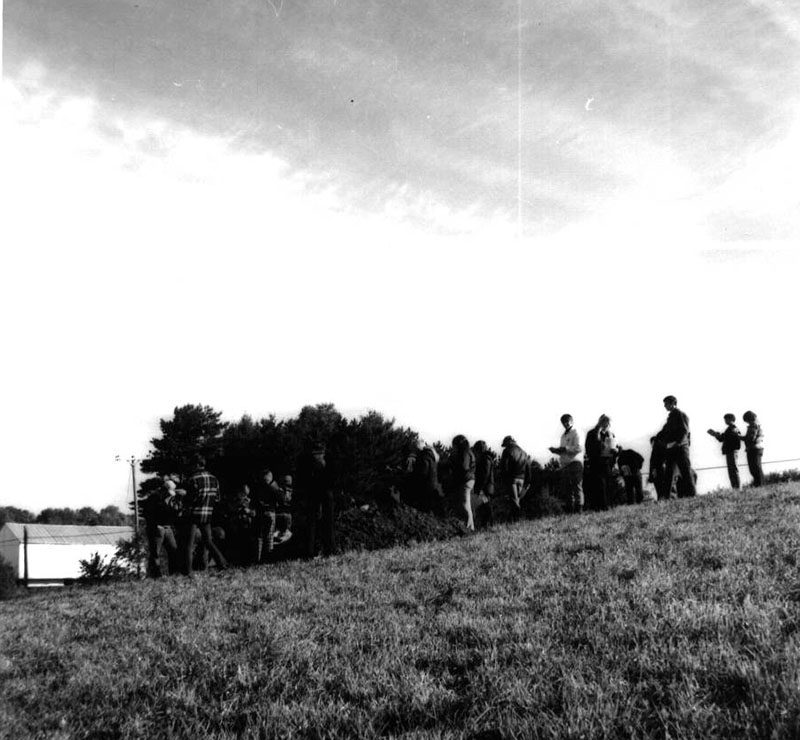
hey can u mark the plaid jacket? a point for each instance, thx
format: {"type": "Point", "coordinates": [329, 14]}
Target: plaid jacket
{"type": "Point", "coordinates": [202, 492]}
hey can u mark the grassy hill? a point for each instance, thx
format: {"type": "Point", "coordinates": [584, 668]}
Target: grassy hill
{"type": "Point", "coordinates": [669, 620]}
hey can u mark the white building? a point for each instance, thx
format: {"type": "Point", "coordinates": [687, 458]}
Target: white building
{"type": "Point", "coordinates": [52, 552]}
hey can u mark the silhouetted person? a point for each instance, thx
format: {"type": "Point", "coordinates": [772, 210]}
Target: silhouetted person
{"type": "Point", "coordinates": [754, 447]}
{"type": "Point", "coordinates": [315, 482]}
{"type": "Point", "coordinates": [731, 440]}
{"type": "Point", "coordinates": [630, 465]}
{"type": "Point", "coordinates": [462, 478]}
{"type": "Point", "coordinates": [484, 485]}
{"type": "Point", "coordinates": [426, 491]}
{"type": "Point", "coordinates": [601, 449]}
{"type": "Point", "coordinates": [513, 471]}
{"type": "Point", "coordinates": [677, 438]}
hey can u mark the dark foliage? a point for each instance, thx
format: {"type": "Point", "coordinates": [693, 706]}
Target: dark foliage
{"type": "Point", "coordinates": [8, 581]}
{"type": "Point", "coordinates": [13, 514]}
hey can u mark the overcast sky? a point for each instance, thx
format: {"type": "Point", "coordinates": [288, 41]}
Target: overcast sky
{"type": "Point", "coordinates": [469, 216]}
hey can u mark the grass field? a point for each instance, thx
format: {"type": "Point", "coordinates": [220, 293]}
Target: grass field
{"type": "Point", "coordinates": [679, 619]}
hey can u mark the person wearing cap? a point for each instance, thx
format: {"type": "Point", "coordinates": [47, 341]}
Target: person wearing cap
{"type": "Point", "coordinates": [754, 447]}
{"type": "Point", "coordinates": [315, 483]}
{"type": "Point", "coordinates": [731, 440]}
{"type": "Point", "coordinates": [676, 438]}
{"type": "Point", "coordinates": [462, 480]}
{"type": "Point", "coordinates": [513, 469]}
{"type": "Point", "coordinates": [202, 494]}
{"type": "Point", "coordinates": [569, 453]}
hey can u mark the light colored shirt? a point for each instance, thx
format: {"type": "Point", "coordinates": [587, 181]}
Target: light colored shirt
{"type": "Point", "coordinates": [571, 443]}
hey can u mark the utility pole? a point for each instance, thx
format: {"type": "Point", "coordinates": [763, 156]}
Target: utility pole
{"type": "Point", "coordinates": [132, 461]}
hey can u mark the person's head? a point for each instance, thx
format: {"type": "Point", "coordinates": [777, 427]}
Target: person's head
{"type": "Point", "coordinates": [460, 442]}
{"type": "Point", "coordinates": [169, 485]}
{"type": "Point", "coordinates": [480, 446]}
{"type": "Point", "coordinates": [749, 416]}
{"type": "Point", "coordinates": [198, 462]}
{"type": "Point", "coordinates": [566, 420]}
{"type": "Point", "coordinates": [287, 480]}
{"type": "Point", "coordinates": [419, 444]}
{"type": "Point", "coordinates": [670, 402]}
{"type": "Point", "coordinates": [729, 419]}
{"type": "Point", "coordinates": [508, 440]}
{"type": "Point", "coordinates": [266, 475]}
{"type": "Point", "coordinates": [318, 450]}
{"type": "Point", "coordinates": [604, 422]}
{"type": "Point", "coordinates": [243, 492]}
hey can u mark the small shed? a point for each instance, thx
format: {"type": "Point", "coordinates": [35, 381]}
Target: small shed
{"type": "Point", "coordinates": [52, 552]}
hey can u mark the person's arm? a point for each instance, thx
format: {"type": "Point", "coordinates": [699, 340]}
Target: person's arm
{"type": "Point", "coordinates": [716, 435]}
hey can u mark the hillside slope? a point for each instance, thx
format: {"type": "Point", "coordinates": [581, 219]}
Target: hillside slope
{"type": "Point", "coordinates": [677, 619]}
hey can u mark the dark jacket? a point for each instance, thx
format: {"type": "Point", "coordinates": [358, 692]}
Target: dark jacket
{"type": "Point", "coordinates": [731, 439]}
{"type": "Point", "coordinates": [425, 475]}
{"type": "Point", "coordinates": [484, 474]}
{"type": "Point", "coordinates": [462, 466]}
{"type": "Point", "coordinates": [676, 429]}
{"type": "Point", "coordinates": [513, 463]}
{"type": "Point", "coordinates": [631, 460]}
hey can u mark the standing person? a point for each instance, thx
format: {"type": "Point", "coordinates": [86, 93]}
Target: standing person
{"type": "Point", "coordinates": [202, 493]}
{"type": "Point", "coordinates": [630, 465]}
{"type": "Point", "coordinates": [754, 447]}
{"type": "Point", "coordinates": [239, 517]}
{"type": "Point", "coordinates": [161, 510]}
{"type": "Point", "coordinates": [513, 469]}
{"type": "Point", "coordinates": [677, 438]}
{"type": "Point", "coordinates": [283, 511]}
{"type": "Point", "coordinates": [569, 452]}
{"type": "Point", "coordinates": [265, 503]}
{"type": "Point", "coordinates": [601, 450]}
{"type": "Point", "coordinates": [426, 491]}
{"type": "Point", "coordinates": [484, 483]}
{"type": "Point", "coordinates": [731, 440]}
{"type": "Point", "coordinates": [462, 478]}
{"type": "Point", "coordinates": [316, 485]}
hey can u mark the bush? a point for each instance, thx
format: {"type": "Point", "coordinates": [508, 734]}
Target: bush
{"type": "Point", "coordinates": [8, 581]}
{"type": "Point", "coordinates": [782, 476]}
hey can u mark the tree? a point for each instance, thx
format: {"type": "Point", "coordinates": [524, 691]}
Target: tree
{"type": "Point", "coordinates": [13, 514]}
{"type": "Point", "coordinates": [192, 429]}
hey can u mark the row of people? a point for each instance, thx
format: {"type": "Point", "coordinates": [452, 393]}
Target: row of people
{"type": "Point", "coordinates": [247, 526]}
{"type": "Point", "coordinates": [191, 522]}
{"type": "Point", "coordinates": [596, 464]}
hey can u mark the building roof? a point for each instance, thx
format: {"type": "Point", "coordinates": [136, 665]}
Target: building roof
{"type": "Point", "coordinates": [64, 534]}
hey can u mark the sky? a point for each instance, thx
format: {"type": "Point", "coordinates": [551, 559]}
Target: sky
{"type": "Point", "coordinates": [471, 217]}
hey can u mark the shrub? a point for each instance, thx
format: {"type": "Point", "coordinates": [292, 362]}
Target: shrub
{"type": "Point", "coordinates": [8, 581]}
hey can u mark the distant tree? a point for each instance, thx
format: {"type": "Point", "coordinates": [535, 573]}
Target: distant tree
{"type": "Point", "coordinates": [57, 516]}
{"type": "Point", "coordinates": [87, 515]}
{"type": "Point", "coordinates": [13, 514]}
{"type": "Point", "coordinates": [192, 429]}
{"type": "Point", "coordinates": [111, 516]}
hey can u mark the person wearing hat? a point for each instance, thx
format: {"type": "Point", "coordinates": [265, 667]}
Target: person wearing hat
{"type": "Point", "coordinates": [315, 483]}
{"type": "Point", "coordinates": [754, 447]}
{"type": "Point", "coordinates": [731, 440]}
{"type": "Point", "coordinates": [513, 469]}
{"type": "Point", "coordinates": [676, 439]}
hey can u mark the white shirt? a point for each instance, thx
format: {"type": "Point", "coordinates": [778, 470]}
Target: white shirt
{"type": "Point", "coordinates": [571, 442]}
